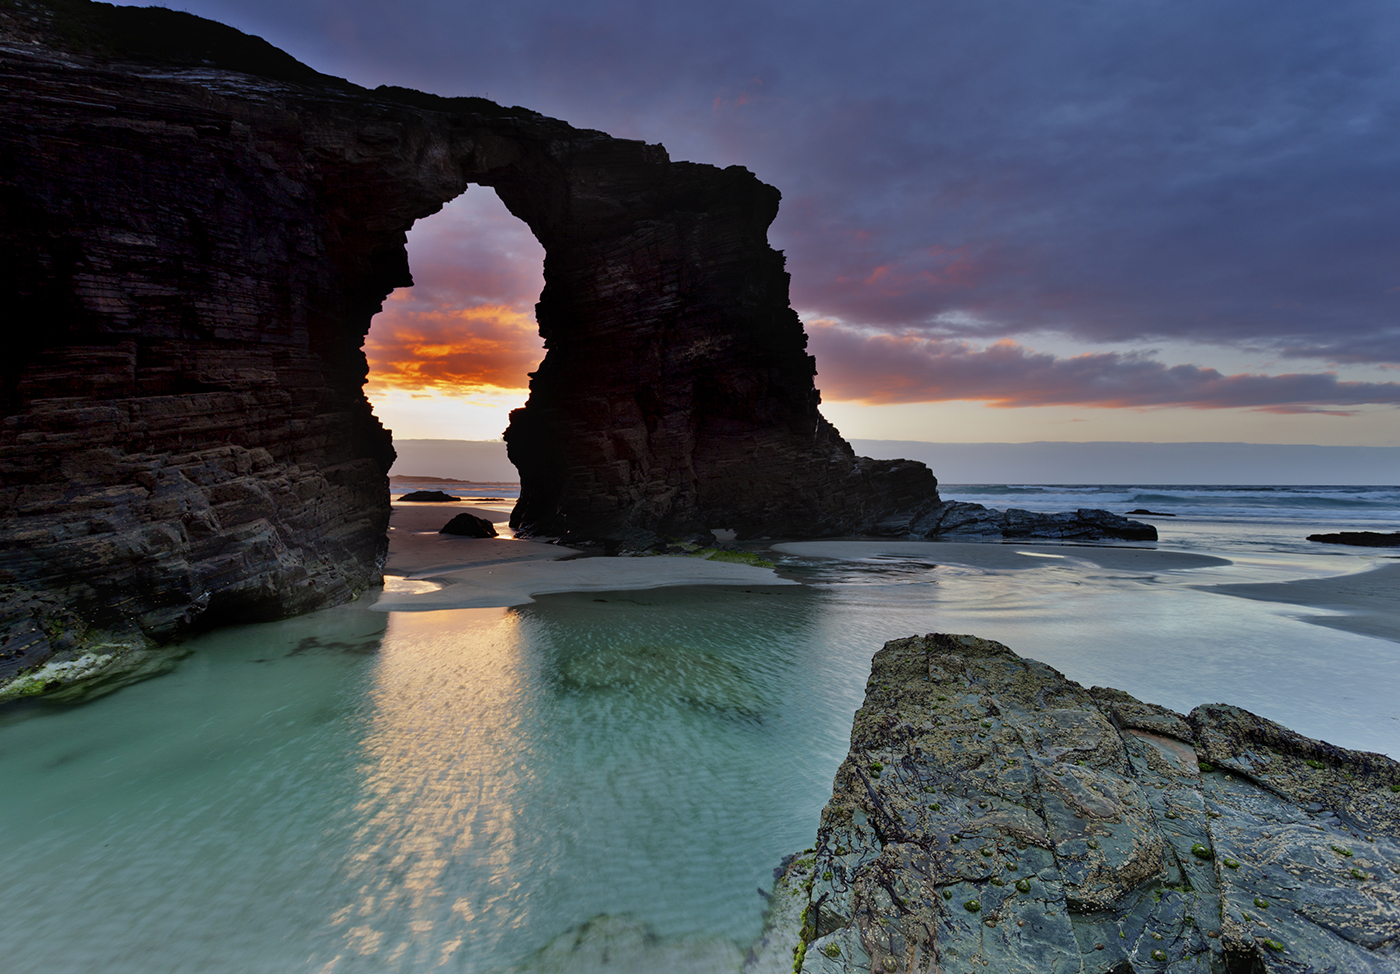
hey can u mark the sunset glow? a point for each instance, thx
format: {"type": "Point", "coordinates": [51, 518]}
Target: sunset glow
{"type": "Point", "coordinates": [450, 356]}
{"type": "Point", "coordinates": [451, 350]}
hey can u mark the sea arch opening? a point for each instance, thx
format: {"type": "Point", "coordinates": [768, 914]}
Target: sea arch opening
{"type": "Point", "coordinates": [449, 357]}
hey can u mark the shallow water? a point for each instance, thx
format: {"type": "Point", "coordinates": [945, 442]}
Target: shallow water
{"type": "Point", "coordinates": [354, 791]}
{"type": "Point", "coordinates": [460, 787]}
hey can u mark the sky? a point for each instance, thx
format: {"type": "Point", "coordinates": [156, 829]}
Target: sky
{"type": "Point", "coordinates": [1005, 220]}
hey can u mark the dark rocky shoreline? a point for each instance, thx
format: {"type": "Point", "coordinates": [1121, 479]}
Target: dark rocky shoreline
{"type": "Point", "coordinates": [994, 816]}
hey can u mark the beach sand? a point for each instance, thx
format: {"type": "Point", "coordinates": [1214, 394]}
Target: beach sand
{"type": "Point", "coordinates": [427, 570]}
{"type": "Point", "coordinates": [416, 549]}
{"type": "Point", "coordinates": [1368, 601]}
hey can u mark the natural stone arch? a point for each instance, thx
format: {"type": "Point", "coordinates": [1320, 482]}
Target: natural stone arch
{"type": "Point", "coordinates": [185, 439]}
{"type": "Point", "coordinates": [676, 394]}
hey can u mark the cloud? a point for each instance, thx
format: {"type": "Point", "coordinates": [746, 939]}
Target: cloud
{"type": "Point", "coordinates": [468, 322]}
{"type": "Point", "coordinates": [452, 349]}
{"type": "Point", "coordinates": [884, 369]}
{"type": "Point", "coordinates": [1107, 172]}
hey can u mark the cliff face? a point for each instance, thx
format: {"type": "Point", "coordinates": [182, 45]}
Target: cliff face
{"type": "Point", "coordinates": [191, 256]}
{"type": "Point", "coordinates": [676, 395]}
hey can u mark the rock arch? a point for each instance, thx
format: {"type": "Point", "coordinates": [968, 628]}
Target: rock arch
{"type": "Point", "coordinates": [195, 232]}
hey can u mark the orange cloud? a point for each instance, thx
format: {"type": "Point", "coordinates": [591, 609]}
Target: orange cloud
{"type": "Point", "coordinates": [451, 349]}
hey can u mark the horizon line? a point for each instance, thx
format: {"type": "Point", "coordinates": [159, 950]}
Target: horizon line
{"type": "Point", "coordinates": [874, 439]}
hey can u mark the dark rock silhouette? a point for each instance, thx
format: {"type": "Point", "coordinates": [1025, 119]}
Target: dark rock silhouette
{"type": "Point", "coordinates": [469, 526]}
{"type": "Point", "coordinates": [1364, 539]}
{"type": "Point", "coordinates": [195, 231]}
{"type": "Point", "coordinates": [428, 496]}
{"type": "Point", "coordinates": [958, 519]}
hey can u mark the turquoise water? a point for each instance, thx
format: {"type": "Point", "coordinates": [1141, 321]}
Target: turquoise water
{"type": "Point", "coordinates": [458, 786]}
{"type": "Point", "coordinates": [353, 791]}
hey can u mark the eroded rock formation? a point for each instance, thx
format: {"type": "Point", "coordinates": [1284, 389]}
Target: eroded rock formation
{"type": "Point", "coordinates": [993, 815]}
{"type": "Point", "coordinates": [195, 230]}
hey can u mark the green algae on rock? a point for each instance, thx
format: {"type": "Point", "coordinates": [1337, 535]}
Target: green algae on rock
{"type": "Point", "coordinates": [1073, 787]}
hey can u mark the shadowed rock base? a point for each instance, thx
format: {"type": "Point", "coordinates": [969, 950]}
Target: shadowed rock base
{"type": "Point", "coordinates": [993, 816]}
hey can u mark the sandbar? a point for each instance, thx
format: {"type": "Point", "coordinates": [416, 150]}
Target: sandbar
{"type": "Point", "coordinates": [476, 573]}
{"type": "Point", "coordinates": [1001, 556]}
{"type": "Point", "coordinates": [446, 572]}
{"type": "Point", "coordinates": [1368, 600]}
{"type": "Point", "coordinates": [1364, 602]}
{"type": "Point", "coordinates": [517, 582]}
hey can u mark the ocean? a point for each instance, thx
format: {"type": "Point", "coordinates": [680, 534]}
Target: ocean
{"type": "Point", "coordinates": [358, 791]}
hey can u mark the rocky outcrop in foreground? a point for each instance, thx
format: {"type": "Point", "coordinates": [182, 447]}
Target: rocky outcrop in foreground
{"type": "Point", "coordinates": [993, 816]}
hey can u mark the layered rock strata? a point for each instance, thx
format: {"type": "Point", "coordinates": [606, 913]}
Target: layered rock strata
{"type": "Point", "coordinates": [994, 816]}
{"type": "Point", "coordinates": [190, 258]}
{"type": "Point", "coordinates": [195, 230]}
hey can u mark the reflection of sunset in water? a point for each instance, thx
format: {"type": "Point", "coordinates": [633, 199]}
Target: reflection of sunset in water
{"type": "Point", "coordinates": [518, 772]}
{"type": "Point", "coordinates": [323, 795]}
{"type": "Point", "coordinates": [443, 758]}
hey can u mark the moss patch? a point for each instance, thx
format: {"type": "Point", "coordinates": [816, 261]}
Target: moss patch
{"type": "Point", "coordinates": [734, 557]}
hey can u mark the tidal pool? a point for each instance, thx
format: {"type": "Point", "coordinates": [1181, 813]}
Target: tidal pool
{"type": "Point", "coordinates": [356, 791]}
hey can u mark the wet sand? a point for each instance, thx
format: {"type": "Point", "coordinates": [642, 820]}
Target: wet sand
{"type": "Point", "coordinates": [417, 550]}
{"type": "Point", "coordinates": [1365, 602]}
{"type": "Point", "coordinates": [998, 555]}
{"type": "Point", "coordinates": [1368, 600]}
{"type": "Point", "coordinates": [440, 571]}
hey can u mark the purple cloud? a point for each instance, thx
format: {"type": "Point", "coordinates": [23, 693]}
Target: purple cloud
{"type": "Point", "coordinates": [890, 369]}
{"type": "Point", "coordinates": [1107, 172]}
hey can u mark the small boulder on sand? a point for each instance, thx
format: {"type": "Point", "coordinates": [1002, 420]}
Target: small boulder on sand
{"type": "Point", "coordinates": [469, 526]}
